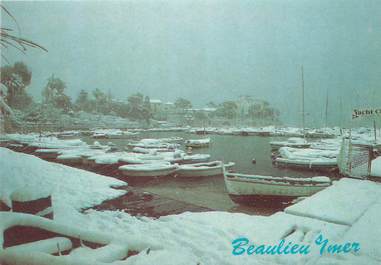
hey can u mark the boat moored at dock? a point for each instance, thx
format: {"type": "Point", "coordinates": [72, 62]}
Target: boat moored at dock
{"type": "Point", "coordinates": [148, 170]}
{"type": "Point", "coordinates": [197, 143]}
{"type": "Point", "coordinates": [202, 169]}
{"type": "Point", "coordinates": [243, 188]}
{"type": "Point", "coordinates": [291, 142]}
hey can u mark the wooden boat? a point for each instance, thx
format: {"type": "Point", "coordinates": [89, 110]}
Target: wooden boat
{"type": "Point", "coordinates": [148, 170]}
{"type": "Point", "coordinates": [313, 163]}
{"type": "Point", "coordinates": [48, 153]}
{"type": "Point", "coordinates": [70, 159]}
{"type": "Point", "coordinates": [253, 188]}
{"type": "Point", "coordinates": [100, 136]}
{"type": "Point", "coordinates": [292, 142]}
{"type": "Point", "coordinates": [192, 159]}
{"type": "Point", "coordinates": [319, 134]}
{"type": "Point", "coordinates": [69, 135]}
{"type": "Point", "coordinates": [202, 169]}
{"type": "Point", "coordinates": [153, 145]}
{"type": "Point", "coordinates": [197, 143]}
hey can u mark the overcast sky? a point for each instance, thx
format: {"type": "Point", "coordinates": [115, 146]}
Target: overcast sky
{"type": "Point", "coordinates": [210, 50]}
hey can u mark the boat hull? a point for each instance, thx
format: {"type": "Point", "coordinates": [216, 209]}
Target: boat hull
{"type": "Point", "coordinates": [148, 173]}
{"type": "Point", "coordinates": [275, 146]}
{"type": "Point", "coordinates": [203, 169]}
{"type": "Point", "coordinates": [249, 189]}
{"type": "Point", "coordinates": [196, 145]}
{"type": "Point", "coordinates": [251, 199]}
{"type": "Point", "coordinates": [196, 172]}
{"type": "Point", "coordinates": [329, 165]}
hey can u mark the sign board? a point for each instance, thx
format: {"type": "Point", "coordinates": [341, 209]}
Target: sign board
{"type": "Point", "coordinates": [366, 112]}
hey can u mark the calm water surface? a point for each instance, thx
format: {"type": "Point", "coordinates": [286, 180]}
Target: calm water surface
{"type": "Point", "coordinates": [211, 192]}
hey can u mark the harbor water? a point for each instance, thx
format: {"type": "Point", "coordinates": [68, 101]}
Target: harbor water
{"type": "Point", "coordinates": [210, 192]}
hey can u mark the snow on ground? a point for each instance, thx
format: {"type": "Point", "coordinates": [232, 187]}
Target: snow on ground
{"type": "Point", "coordinates": [72, 189]}
{"type": "Point", "coordinates": [349, 210]}
{"type": "Point", "coordinates": [367, 231]}
{"type": "Point", "coordinates": [205, 238]}
{"type": "Point", "coordinates": [351, 196]}
{"type": "Point", "coordinates": [376, 167]}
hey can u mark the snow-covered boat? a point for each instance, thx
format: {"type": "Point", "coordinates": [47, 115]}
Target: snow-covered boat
{"type": "Point", "coordinates": [47, 153]}
{"type": "Point", "coordinates": [112, 134]}
{"type": "Point", "coordinates": [153, 143]}
{"type": "Point", "coordinates": [148, 170]}
{"type": "Point", "coordinates": [197, 143]}
{"type": "Point", "coordinates": [69, 135]}
{"type": "Point", "coordinates": [192, 159]}
{"type": "Point", "coordinates": [244, 188]}
{"type": "Point", "coordinates": [313, 163]}
{"type": "Point", "coordinates": [70, 158]}
{"type": "Point", "coordinates": [307, 158]}
{"type": "Point", "coordinates": [319, 134]}
{"type": "Point", "coordinates": [291, 142]}
{"type": "Point", "coordinates": [202, 169]}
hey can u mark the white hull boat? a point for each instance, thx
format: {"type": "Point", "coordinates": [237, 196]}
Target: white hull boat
{"type": "Point", "coordinates": [291, 142]}
{"type": "Point", "coordinates": [192, 159]}
{"type": "Point", "coordinates": [307, 163]}
{"type": "Point", "coordinates": [251, 188]}
{"type": "Point", "coordinates": [148, 170]}
{"type": "Point", "coordinates": [47, 153]}
{"type": "Point", "coordinates": [198, 143]}
{"type": "Point", "coordinates": [72, 159]}
{"type": "Point", "coordinates": [202, 169]}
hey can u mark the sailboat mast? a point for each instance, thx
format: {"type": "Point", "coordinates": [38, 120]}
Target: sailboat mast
{"type": "Point", "coordinates": [302, 98]}
{"type": "Point", "coordinates": [326, 110]}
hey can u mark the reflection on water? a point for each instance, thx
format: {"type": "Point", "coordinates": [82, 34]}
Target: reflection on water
{"type": "Point", "coordinates": [210, 192]}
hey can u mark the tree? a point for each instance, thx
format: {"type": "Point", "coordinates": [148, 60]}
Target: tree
{"type": "Point", "coordinates": [227, 109]}
{"type": "Point", "coordinates": [54, 94]}
{"type": "Point", "coordinates": [120, 109]}
{"type": "Point", "coordinates": [63, 101]}
{"type": "Point", "coordinates": [135, 106]}
{"type": "Point", "coordinates": [182, 103]}
{"type": "Point", "coordinates": [82, 100]}
{"type": "Point", "coordinates": [101, 101]}
{"type": "Point", "coordinates": [53, 88]}
{"type": "Point", "coordinates": [202, 117]}
{"type": "Point", "coordinates": [263, 111]}
{"type": "Point", "coordinates": [211, 104]}
{"type": "Point", "coordinates": [139, 107]}
{"type": "Point", "coordinates": [147, 111]}
{"type": "Point", "coordinates": [16, 78]}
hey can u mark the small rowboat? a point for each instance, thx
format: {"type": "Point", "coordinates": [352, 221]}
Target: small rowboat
{"type": "Point", "coordinates": [148, 170]}
{"type": "Point", "coordinates": [202, 169]}
{"type": "Point", "coordinates": [253, 188]}
{"type": "Point", "coordinates": [317, 163]}
{"type": "Point", "coordinates": [291, 142]}
{"type": "Point", "coordinates": [47, 153]}
{"type": "Point", "coordinates": [197, 143]}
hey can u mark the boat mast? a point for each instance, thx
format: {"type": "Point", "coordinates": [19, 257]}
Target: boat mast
{"type": "Point", "coordinates": [375, 131]}
{"type": "Point", "coordinates": [302, 98]}
{"type": "Point", "coordinates": [326, 110]}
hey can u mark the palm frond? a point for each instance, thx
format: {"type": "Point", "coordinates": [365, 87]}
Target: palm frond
{"type": "Point", "coordinates": [11, 16]}
{"type": "Point", "coordinates": [5, 58]}
{"type": "Point", "coordinates": [19, 43]}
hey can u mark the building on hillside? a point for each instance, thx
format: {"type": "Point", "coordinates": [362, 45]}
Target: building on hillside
{"type": "Point", "coordinates": [169, 107]}
{"type": "Point", "coordinates": [156, 105]}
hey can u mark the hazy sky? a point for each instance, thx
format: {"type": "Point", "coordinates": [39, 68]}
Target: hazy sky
{"type": "Point", "coordinates": [210, 50]}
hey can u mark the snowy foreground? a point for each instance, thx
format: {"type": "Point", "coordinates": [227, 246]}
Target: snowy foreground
{"type": "Point", "coordinates": [348, 211]}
